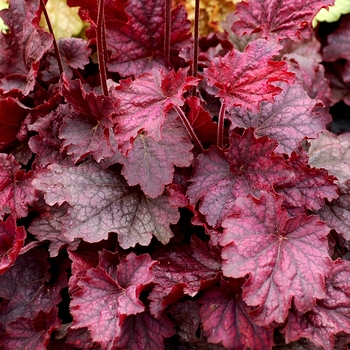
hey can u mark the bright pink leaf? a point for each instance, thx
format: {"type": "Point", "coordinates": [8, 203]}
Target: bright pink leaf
{"type": "Point", "coordinates": [285, 257]}
{"type": "Point", "coordinates": [289, 119]}
{"type": "Point", "coordinates": [279, 18]}
{"type": "Point", "coordinates": [144, 332]}
{"type": "Point", "coordinates": [135, 54]}
{"type": "Point", "coordinates": [245, 79]}
{"type": "Point", "coordinates": [182, 269]}
{"type": "Point", "coordinates": [330, 315]}
{"type": "Point", "coordinates": [16, 191]}
{"type": "Point", "coordinates": [9, 127]}
{"type": "Point", "coordinates": [336, 214]}
{"type": "Point", "coordinates": [151, 163]}
{"type": "Point", "coordinates": [144, 103]}
{"type": "Point", "coordinates": [308, 188]}
{"type": "Point", "coordinates": [11, 242]}
{"type": "Point", "coordinates": [101, 202]}
{"type": "Point", "coordinates": [99, 294]}
{"type": "Point", "coordinates": [25, 333]}
{"type": "Point", "coordinates": [247, 167]}
{"type": "Point", "coordinates": [19, 71]}
{"type": "Point", "coordinates": [225, 319]}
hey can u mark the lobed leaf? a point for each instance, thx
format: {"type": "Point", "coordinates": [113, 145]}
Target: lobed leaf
{"type": "Point", "coordinates": [289, 119]}
{"type": "Point", "coordinates": [101, 202]}
{"type": "Point", "coordinates": [151, 163]}
{"type": "Point", "coordinates": [285, 258]}
{"type": "Point", "coordinates": [330, 316]}
{"type": "Point", "coordinates": [279, 18]}
{"type": "Point", "coordinates": [15, 188]}
{"type": "Point", "coordinates": [245, 79]}
{"type": "Point", "coordinates": [144, 103]}
{"type": "Point", "coordinates": [135, 54]}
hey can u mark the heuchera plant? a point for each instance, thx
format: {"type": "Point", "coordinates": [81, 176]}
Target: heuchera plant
{"type": "Point", "coordinates": [164, 191]}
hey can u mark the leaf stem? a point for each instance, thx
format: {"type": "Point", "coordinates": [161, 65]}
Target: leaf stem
{"type": "Point", "coordinates": [167, 29]}
{"type": "Point", "coordinates": [55, 46]}
{"type": "Point", "coordinates": [101, 46]}
{"type": "Point", "coordinates": [195, 44]}
{"type": "Point", "coordinates": [189, 128]}
{"type": "Point", "coordinates": [220, 141]}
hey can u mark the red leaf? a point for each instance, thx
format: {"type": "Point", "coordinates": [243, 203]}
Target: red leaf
{"type": "Point", "coordinates": [101, 202]}
{"type": "Point", "coordinates": [46, 144]}
{"type": "Point", "coordinates": [144, 332]}
{"type": "Point", "coordinates": [151, 163]}
{"type": "Point", "coordinates": [25, 333]}
{"type": "Point", "coordinates": [182, 269]}
{"type": "Point", "coordinates": [144, 103]}
{"type": "Point", "coordinates": [247, 167]}
{"type": "Point", "coordinates": [74, 54]}
{"type": "Point", "coordinates": [331, 152]}
{"type": "Point", "coordinates": [289, 119]}
{"type": "Point", "coordinates": [135, 54]}
{"type": "Point", "coordinates": [245, 79]}
{"type": "Point", "coordinates": [225, 319]}
{"type": "Point", "coordinates": [26, 288]}
{"type": "Point", "coordinates": [86, 129]}
{"type": "Point", "coordinates": [113, 8]}
{"type": "Point", "coordinates": [329, 316]}
{"type": "Point", "coordinates": [279, 18]}
{"type": "Point", "coordinates": [338, 46]}
{"type": "Point", "coordinates": [16, 191]}
{"type": "Point", "coordinates": [19, 71]}
{"type": "Point", "coordinates": [304, 60]}
{"type": "Point", "coordinates": [11, 242]}
{"type": "Point", "coordinates": [285, 257]}
{"type": "Point", "coordinates": [337, 213]}
{"type": "Point", "coordinates": [201, 121]}
{"type": "Point", "coordinates": [100, 295]}
{"type": "Point", "coordinates": [308, 188]}
{"type": "Point", "coordinates": [48, 226]}
{"type": "Point", "coordinates": [9, 127]}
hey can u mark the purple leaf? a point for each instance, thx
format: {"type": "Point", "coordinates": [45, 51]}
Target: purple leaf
{"type": "Point", "coordinates": [101, 202]}
{"type": "Point", "coordinates": [221, 177]}
{"type": "Point", "coordinates": [225, 319]}
{"type": "Point", "coordinates": [116, 299]}
{"type": "Point", "coordinates": [329, 316]}
{"type": "Point", "coordinates": [285, 257]}
{"type": "Point", "coordinates": [15, 188]}
{"type": "Point", "coordinates": [151, 163]}
{"type": "Point", "coordinates": [278, 18]}
{"type": "Point", "coordinates": [289, 119]}
{"type": "Point", "coordinates": [144, 103]}
{"type": "Point", "coordinates": [133, 55]}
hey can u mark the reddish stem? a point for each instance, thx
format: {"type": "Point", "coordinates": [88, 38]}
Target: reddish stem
{"type": "Point", "coordinates": [220, 141]}
{"type": "Point", "coordinates": [189, 128]}
{"type": "Point", "coordinates": [167, 29]}
{"type": "Point", "coordinates": [195, 44]}
{"type": "Point", "coordinates": [101, 46]}
{"type": "Point", "coordinates": [55, 46]}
